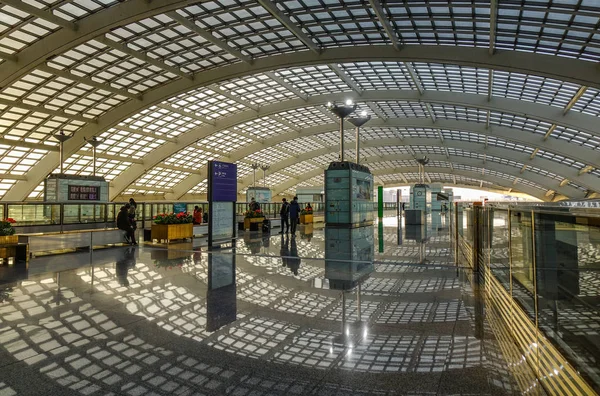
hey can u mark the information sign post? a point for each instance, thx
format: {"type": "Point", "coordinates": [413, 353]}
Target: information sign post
{"type": "Point", "coordinates": [222, 195]}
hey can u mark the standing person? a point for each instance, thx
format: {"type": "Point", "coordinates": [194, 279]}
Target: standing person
{"type": "Point", "coordinates": [254, 206]}
{"type": "Point", "coordinates": [197, 215]}
{"type": "Point", "coordinates": [284, 213]}
{"type": "Point", "coordinates": [131, 213]}
{"type": "Point", "coordinates": [124, 224]}
{"type": "Point", "coordinates": [294, 214]}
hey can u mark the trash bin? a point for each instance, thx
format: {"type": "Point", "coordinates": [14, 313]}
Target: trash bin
{"type": "Point", "coordinates": [253, 226]}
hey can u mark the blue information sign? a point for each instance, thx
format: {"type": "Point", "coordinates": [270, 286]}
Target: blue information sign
{"type": "Point", "coordinates": [224, 181]}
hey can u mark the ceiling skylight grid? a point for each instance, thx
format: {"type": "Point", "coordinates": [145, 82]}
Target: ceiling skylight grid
{"type": "Point", "coordinates": [533, 88]}
{"type": "Point", "coordinates": [392, 150]}
{"type": "Point", "coordinates": [314, 80]}
{"type": "Point", "coordinates": [558, 28]}
{"type": "Point", "coordinates": [127, 144]}
{"type": "Point", "coordinates": [579, 138]}
{"type": "Point", "coordinates": [163, 38]}
{"type": "Point", "coordinates": [589, 103]}
{"type": "Point", "coordinates": [223, 142]}
{"type": "Point", "coordinates": [371, 76]}
{"type": "Point", "coordinates": [245, 26]}
{"type": "Point", "coordinates": [306, 117]}
{"type": "Point", "coordinates": [519, 122]}
{"type": "Point", "coordinates": [268, 156]}
{"type": "Point", "coordinates": [19, 30]}
{"type": "Point", "coordinates": [43, 89]}
{"type": "Point", "coordinates": [560, 159]}
{"type": "Point", "coordinates": [447, 77]}
{"type": "Point", "coordinates": [459, 112]}
{"type": "Point", "coordinates": [418, 133]}
{"type": "Point", "coordinates": [34, 127]}
{"type": "Point", "coordinates": [19, 160]}
{"type": "Point", "coordinates": [428, 150]}
{"type": "Point", "coordinates": [465, 136]}
{"type": "Point", "coordinates": [192, 157]}
{"type": "Point", "coordinates": [262, 128]}
{"type": "Point", "coordinates": [83, 165]}
{"type": "Point", "coordinates": [161, 178]}
{"type": "Point", "coordinates": [258, 89]}
{"type": "Point", "coordinates": [206, 103]}
{"type": "Point", "coordinates": [333, 24]}
{"type": "Point", "coordinates": [300, 145]}
{"type": "Point", "coordinates": [110, 66]}
{"type": "Point", "coordinates": [161, 122]}
{"type": "Point", "coordinates": [370, 133]}
{"type": "Point", "coordinates": [463, 23]}
{"type": "Point", "coordinates": [403, 109]}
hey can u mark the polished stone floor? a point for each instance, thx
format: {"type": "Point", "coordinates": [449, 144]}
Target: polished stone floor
{"type": "Point", "coordinates": [381, 310]}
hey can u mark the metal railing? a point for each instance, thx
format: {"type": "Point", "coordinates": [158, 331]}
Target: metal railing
{"type": "Point", "coordinates": [540, 270]}
{"type": "Point", "coordinates": [41, 216]}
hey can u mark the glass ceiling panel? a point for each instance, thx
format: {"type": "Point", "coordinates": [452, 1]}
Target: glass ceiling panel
{"type": "Point", "coordinates": [110, 66]}
{"type": "Point", "coordinates": [379, 75]}
{"type": "Point", "coordinates": [313, 80]}
{"type": "Point", "coordinates": [192, 157]}
{"type": "Point", "coordinates": [459, 113]}
{"type": "Point", "coordinates": [244, 25]}
{"type": "Point", "coordinates": [447, 77]}
{"type": "Point", "coordinates": [57, 93]}
{"type": "Point", "coordinates": [78, 164]}
{"type": "Point", "coordinates": [403, 109]}
{"type": "Point", "coordinates": [163, 38]}
{"type": "Point", "coordinates": [589, 103]}
{"type": "Point", "coordinates": [306, 117]}
{"type": "Point", "coordinates": [223, 142]}
{"type": "Point", "coordinates": [258, 89]}
{"type": "Point", "coordinates": [127, 144]}
{"type": "Point", "coordinates": [206, 103]}
{"type": "Point", "coordinates": [565, 28]}
{"type": "Point", "coordinates": [463, 23]}
{"type": "Point", "coordinates": [533, 88]}
{"type": "Point", "coordinates": [331, 23]}
{"type": "Point", "coordinates": [268, 156]}
{"type": "Point", "coordinates": [161, 121]}
{"type": "Point", "coordinates": [19, 30]}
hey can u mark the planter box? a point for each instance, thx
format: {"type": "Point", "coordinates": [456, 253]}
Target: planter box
{"type": "Point", "coordinates": [248, 220]}
{"type": "Point", "coordinates": [9, 239]}
{"type": "Point", "coordinates": [171, 232]}
{"type": "Point", "coordinates": [306, 219]}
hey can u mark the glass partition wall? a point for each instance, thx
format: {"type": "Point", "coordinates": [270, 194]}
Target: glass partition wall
{"type": "Point", "coordinates": [540, 268]}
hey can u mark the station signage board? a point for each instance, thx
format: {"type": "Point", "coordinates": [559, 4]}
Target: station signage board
{"type": "Point", "coordinates": [84, 193]}
{"type": "Point", "coordinates": [223, 181]}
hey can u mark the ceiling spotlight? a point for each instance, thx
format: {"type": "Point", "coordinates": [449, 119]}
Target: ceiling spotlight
{"type": "Point", "coordinates": [363, 113]}
{"type": "Point", "coordinates": [349, 102]}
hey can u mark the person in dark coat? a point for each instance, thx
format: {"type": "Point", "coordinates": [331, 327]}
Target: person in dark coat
{"type": "Point", "coordinates": [123, 223]}
{"type": "Point", "coordinates": [284, 213]}
{"type": "Point", "coordinates": [294, 214]}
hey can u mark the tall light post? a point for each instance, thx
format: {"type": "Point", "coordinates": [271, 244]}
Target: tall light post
{"type": "Point", "coordinates": [342, 111]}
{"type": "Point", "coordinates": [254, 168]}
{"type": "Point", "coordinates": [94, 142]}
{"type": "Point", "coordinates": [358, 122]}
{"type": "Point", "coordinates": [62, 138]}
{"type": "Point", "coordinates": [422, 162]}
{"type": "Point", "coordinates": [265, 168]}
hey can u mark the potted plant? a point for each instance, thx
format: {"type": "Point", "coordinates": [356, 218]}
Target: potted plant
{"type": "Point", "coordinates": [253, 216]}
{"type": "Point", "coordinates": [306, 216]}
{"type": "Point", "coordinates": [7, 232]}
{"type": "Point", "coordinates": [171, 226]}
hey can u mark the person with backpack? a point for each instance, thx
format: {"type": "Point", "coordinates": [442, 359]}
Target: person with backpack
{"type": "Point", "coordinates": [284, 213]}
{"type": "Point", "coordinates": [294, 214]}
{"type": "Point", "coordinates": [254, 206]}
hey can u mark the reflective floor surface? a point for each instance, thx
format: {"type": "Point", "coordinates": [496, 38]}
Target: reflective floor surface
{"type": "Point", "coordinates": [379, 310]}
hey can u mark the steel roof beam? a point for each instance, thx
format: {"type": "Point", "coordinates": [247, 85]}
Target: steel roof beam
{"type": "Point", "coordinates": [141, 132]}
{"type": "Point", "coordinates": [191, 25]}
{"type": "Point", "coordinates": [41, 13]}
{"type": "Point", "coordinates": [346, 78]}
{"type": "Point", "coordinates": [385, 23]}
{"type": "Point", "coordinates": [236, 99]}
{"type": "Point", "coordinates": [493, 23]}
{"type": "Point", "coordinates": [180, 111]}
{"type": "Point", "coordinates": [289, 24]}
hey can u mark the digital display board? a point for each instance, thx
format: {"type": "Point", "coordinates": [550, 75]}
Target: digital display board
{"type": "Point", "coordinates": [84, 193]}
{"type": "Point", "coordinates": [223, 181]}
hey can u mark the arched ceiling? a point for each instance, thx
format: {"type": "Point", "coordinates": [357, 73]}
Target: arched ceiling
{"type": "Point", "coordinates": [501, 94]}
